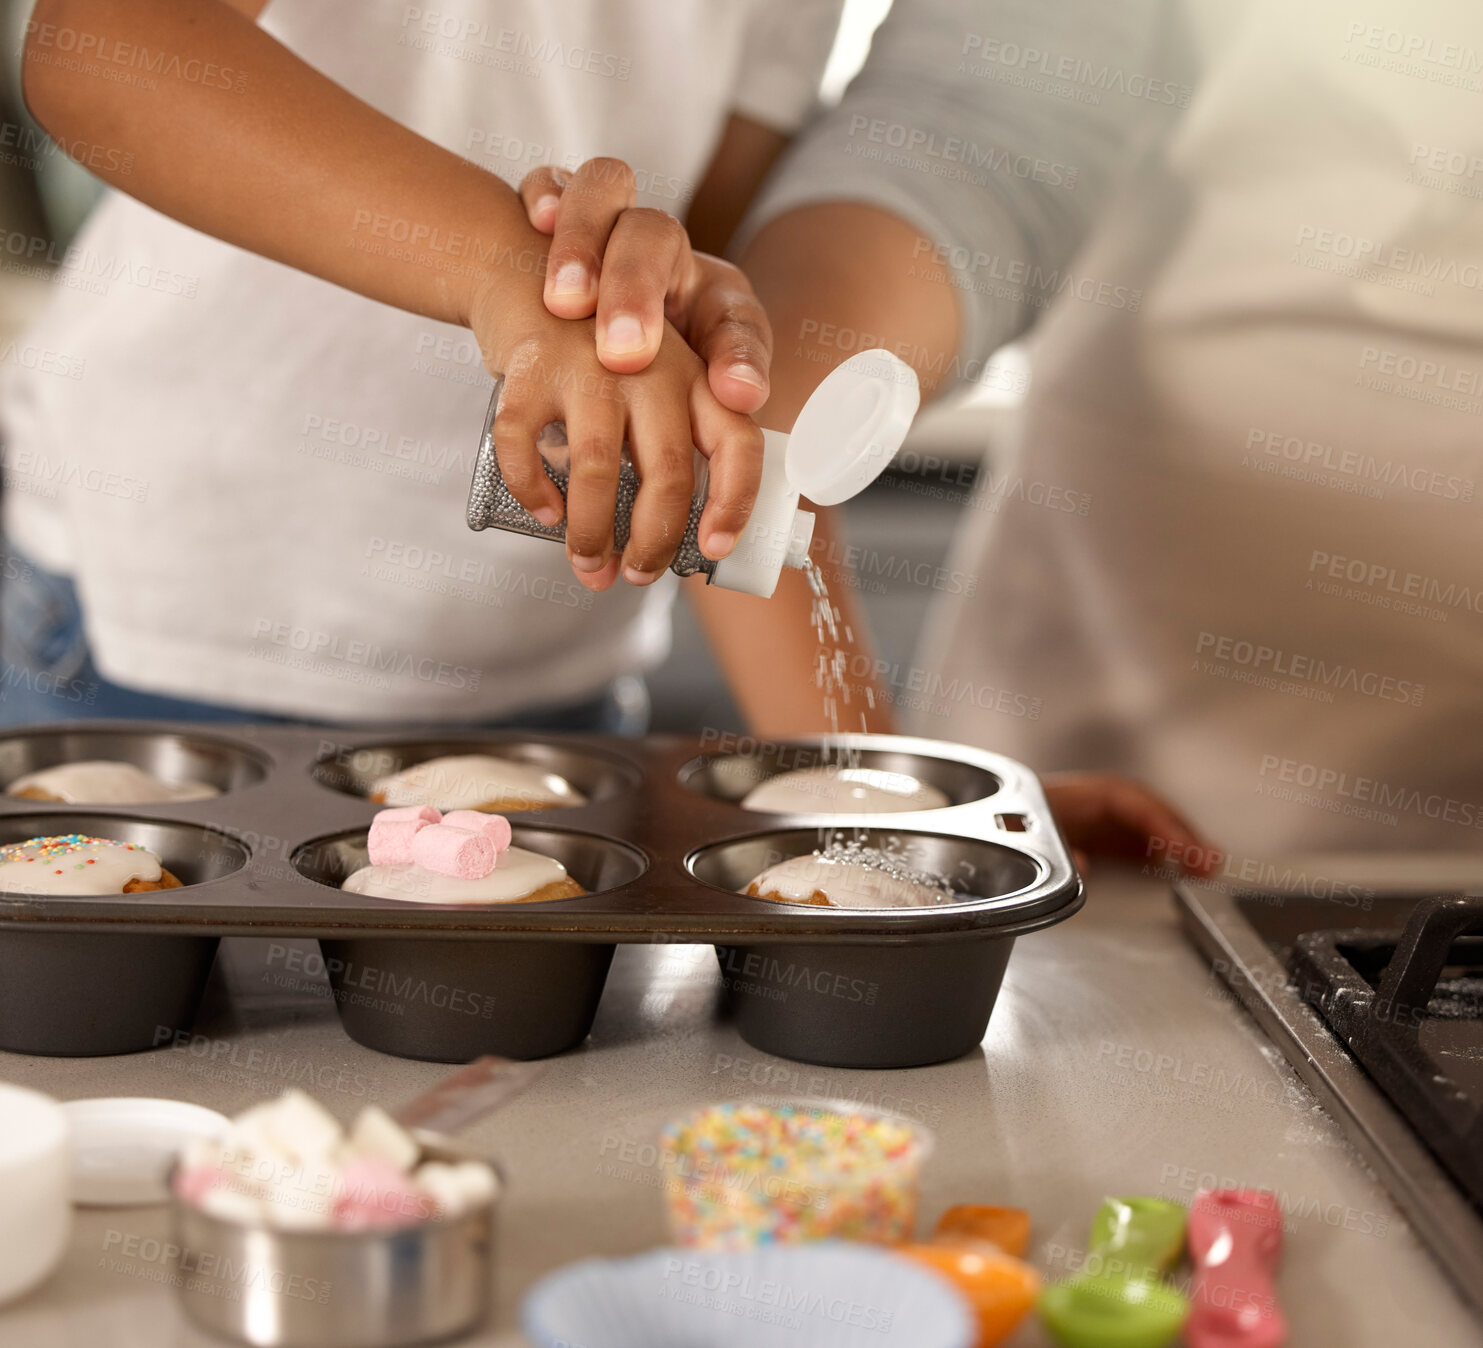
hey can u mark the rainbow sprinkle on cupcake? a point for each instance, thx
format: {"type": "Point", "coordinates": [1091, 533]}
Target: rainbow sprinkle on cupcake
{"type": "Point", "coordinates": [60, 846]}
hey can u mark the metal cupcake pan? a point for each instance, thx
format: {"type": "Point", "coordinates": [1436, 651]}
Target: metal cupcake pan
{"type": "Point", "coordinates": [662, 843]}
{"type": "Point", "coordinates": [71, 993]}
{"type": "Point", "coordinates": [185, 754]}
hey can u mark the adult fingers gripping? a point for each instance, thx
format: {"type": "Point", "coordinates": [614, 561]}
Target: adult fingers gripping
{"type": "Point", "coordinates": [624, 262]}
{"type": "Point", "coordinates": [662, 442]}
{"type": "Point", "coordinates": [540, 191]}
{"type": "Point", "coordinates": [729, 330]}
{"type": "Point", "coordinates": [645, 252]}
{"type": "Point", "coordinates": [593, 199]}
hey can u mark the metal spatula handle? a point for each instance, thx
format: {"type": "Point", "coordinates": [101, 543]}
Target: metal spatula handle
{"type": "Point", "coordinates": [468, 1095]}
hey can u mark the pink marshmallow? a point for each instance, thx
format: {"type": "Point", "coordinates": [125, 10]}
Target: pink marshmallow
{"type": "Point", "coordinates": [459, 852]}
{"type": "Point", "coordinates": [495, 827]}
{"type": "Point", "coordinates": [401, 813]}
{"type": "Point", "coordinates": [194, 1183]}
{"type": "Point", "coordinates": [373, 1193]}
{"type": "Point", "coordinates": [389, 842]}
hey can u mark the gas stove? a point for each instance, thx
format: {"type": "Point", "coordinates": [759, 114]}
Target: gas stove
{"type": "Point", "coordinates": [1376, 998]}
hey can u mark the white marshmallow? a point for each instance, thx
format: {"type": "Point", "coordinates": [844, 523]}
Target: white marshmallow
{"type": "Point", "coordinates": [303, 1128]}
{"type": "Point", "coordinates": [201, 1153]}
{"type": "Point", "coordinates": [456, 1188]}
{"type": "Point", "coordinates": [376, 1133]}
{"type": "Point", "coordinates": [250, 1134]}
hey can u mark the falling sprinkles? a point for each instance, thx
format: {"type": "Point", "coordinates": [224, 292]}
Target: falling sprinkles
{"type": "Point", "coordinates": [852, 852]}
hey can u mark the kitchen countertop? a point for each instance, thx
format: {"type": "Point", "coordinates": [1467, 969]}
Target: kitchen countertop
{"type": "Point", "coordinates": [1115, 1063]}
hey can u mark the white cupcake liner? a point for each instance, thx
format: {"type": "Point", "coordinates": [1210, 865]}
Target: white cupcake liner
{"type": "Point", "coordinates": [827, 1295]}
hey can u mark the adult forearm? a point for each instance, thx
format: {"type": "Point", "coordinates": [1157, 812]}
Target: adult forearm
{"type": "Point", "coordinates": [228, 131]}
{"type": "Point", "coordinates": [770, 654]}
{"type": "Point", "coordinates": [835, 279]}
{"type": "Point", "coordinates": [838, 278]}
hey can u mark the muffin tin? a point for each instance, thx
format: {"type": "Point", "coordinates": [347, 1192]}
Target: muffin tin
{"type": "Point", "coordinates": [662, 842]}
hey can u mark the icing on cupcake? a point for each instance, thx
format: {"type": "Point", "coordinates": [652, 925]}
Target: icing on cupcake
{"type": "Point", "coordinates": [420, 855]}
{"type": "Point", "coordinates": [831, 789]}
{"type": "Point", "coordinates": [476, 781]}
{"type": "Point", "coordinates": [100, 782]}
{"type": "Point", "coordinates": [517, 875]}
{"type": "Point", "coordinates": [73, 863]}
{"type": "Point", "coordinates": [850, 876]}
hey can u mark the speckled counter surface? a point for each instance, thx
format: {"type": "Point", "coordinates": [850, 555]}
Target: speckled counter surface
{"type": "Point", "coordinates": [1115, 1063]}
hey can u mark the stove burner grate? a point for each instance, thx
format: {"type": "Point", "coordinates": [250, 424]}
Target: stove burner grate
{"type": "Point", "coordinates": [1409, 1005]}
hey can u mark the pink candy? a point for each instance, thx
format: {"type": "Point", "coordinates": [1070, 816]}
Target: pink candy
{"type": "Point", "coordinates": [459, 852]}
{"type": "Point", "coordinates": [194, 1183]}
{"type": "Point", "coordinates": [392, 831]}
{"type": "Point", "coordinates": [407, 813]}
{"type": "Point", "coordinates": [495, 827]}
{"type": "Point", "coordinates": [374, 1193]}
{"type": "Point", "coordinates": [462, 843]}
{"type": "Point", "coordinates": [390, 840]}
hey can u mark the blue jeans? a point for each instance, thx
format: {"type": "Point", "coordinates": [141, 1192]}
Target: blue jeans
{"type": "Point", "coordinates": [49, 675]}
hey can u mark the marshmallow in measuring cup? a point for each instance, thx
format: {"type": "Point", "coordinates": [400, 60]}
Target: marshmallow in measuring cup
{"type": "Point", "coordinates": [495, 827]}
{"type": "Point", "coordinates": [450, 850]}
{"type": "Point", "coordinates": [389, 842]}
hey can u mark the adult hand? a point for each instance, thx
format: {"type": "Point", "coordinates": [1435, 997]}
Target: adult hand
{"type": "Point", "coordinates": [665, 411]}
{"type": "Point", "coordinates": [1103, 814]}
{"type": "Point", "coordinates": [634, 269]}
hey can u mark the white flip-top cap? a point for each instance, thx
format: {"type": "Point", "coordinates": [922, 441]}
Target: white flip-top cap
{"type": "Point", "coordinates": [848, 431]}
{"type": "Point", "coordinates": [851, 427]}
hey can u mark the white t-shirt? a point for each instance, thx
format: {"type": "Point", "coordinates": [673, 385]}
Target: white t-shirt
{"type": "Point", "coordinates": [258, 481]}
{"type": "Point", "coordinates": [1240, 550]}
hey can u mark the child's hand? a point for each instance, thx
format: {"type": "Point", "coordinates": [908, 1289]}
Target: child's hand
{"type": "Point", "coordinates": [552, 373]}
{"type": "Point", "coordinates": [1103, 814]}
{"type": "Point", "coordinates": [634, 267]}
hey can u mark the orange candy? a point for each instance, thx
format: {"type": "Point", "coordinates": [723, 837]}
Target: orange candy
{"type": "Point", "coordinates": [999, 1289]}
{"type": "Point", "coordinates": [1008, 1228]}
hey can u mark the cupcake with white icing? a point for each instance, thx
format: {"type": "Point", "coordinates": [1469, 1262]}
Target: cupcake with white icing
{"type": "Point", "coordinates": [420, 855]}
{"type": "Point", "coordinates": [74, 863]}
{"type": "Point", "coordinates": [104, 782]}
{"type": "Point", "coordinates": [849, 875]}
{"type": "Point", "coordinates": [476, 782]}
{"type": "Point", "coordinates": [834, 789]}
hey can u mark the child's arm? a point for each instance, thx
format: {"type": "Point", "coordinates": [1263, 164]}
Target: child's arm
{"type": "Point", "coordinates": [252, 145]}
{"type": "Point", "coordinates": [238, 137]}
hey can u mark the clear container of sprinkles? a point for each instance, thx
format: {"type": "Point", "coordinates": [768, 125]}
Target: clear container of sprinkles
{"type": "Point", "coordinates": [754, 1172]}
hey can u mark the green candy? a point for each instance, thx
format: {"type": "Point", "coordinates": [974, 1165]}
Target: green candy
{"type": "Point", "coordinates": [1097, 1311]}
{"type": "Point", "coordinates": [1137, 1235]}
{"type": "Point", "coordinates": [1121, 1303]}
